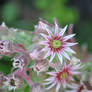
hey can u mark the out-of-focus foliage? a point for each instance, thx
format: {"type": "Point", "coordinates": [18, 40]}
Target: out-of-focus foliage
{"type": "Point", "coordinates": [10, 12]}
{"type": "Point", "coordinates": [58, 9]}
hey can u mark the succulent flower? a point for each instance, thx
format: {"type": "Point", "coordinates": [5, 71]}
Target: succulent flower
{"type": "Point", "coordinates": [5, 47]}
{"type": "Point", "coordinates": [40, 66]}
{"type": "Point", "coordinates": [20, 61]}
{"type": "Point", "coordinates": [13, 82]}
{"type": "Point", "coordinates": [62, 77]}
{"type": "Point", "coordinates": [57, 43]}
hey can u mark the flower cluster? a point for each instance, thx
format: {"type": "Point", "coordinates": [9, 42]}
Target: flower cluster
{"type": "Point", "coordinates": [53, 57]}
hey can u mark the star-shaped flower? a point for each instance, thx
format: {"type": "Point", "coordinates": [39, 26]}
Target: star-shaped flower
{"type": "Point", "coordinates": [56, 43]}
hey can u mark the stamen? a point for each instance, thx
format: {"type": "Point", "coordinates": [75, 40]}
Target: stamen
{"type": "Point", "coordinates": [63, 76]}
{"type": "Point", "coordinates": [56, 43]}
{"type": "Point", "coordinates": [12, 82]}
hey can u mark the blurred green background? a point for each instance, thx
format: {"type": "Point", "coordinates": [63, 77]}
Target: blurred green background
{"type": "Point", "coordinates": [25, 14]}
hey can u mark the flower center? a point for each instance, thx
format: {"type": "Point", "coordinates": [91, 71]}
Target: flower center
{"type": "Point", "coordinates": [56, 43]}
{"type": "Point", "coordinates": [63, 76]}
{"type": "Point", "coordinates": [12, 82]}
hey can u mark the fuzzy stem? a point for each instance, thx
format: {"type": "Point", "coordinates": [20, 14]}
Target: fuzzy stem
{"type": "Point", "coordinates": [20, 45]}
{"type": "Point", "coordinates": [25, 76]}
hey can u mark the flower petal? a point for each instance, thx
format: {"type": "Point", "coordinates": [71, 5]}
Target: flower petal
{"type": "Point", "coordinates": [43, 42]}
{"type": "Point", "coordinates": [63, 31]}
{"type": "Point", "coordinates": [75, 72]}
{"type": "Point", "coordinates": [60, 58]}
{"type": "Point", "coordinates": [49, 32]}
{"type": "Point", "coordinates": [69, 44]}
{"type": "Point", "coordinates": [56, 27]}
{"type": "Point", "coordinates": [45, 49]}
{"type": "Point", "coordinates": [69, 50]}
{"type": "Point", "coordinates": [68, 37]}
{"type": "Point", "coordinates": [52, 57]}
{"type": "Point", "coordinates": [47, 83]}
{"type": "Point", "coordinates": [49, 79]}
{"type": "Point", "coordinates": [45, 36]}
{"type": "Point", "coordinates": [58, 87]}
{"type": "Point", "coordinates": [65, 55]}
{"type": "Point", "coordinates": [51, 86]}
{"type": "Point", "coordinates": [51, 73]}
{"type": "Point", "coordinates": [47, 54]}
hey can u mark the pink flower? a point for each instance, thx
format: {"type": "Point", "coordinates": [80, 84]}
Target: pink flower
{"type": "Point", "coordinates": [56, 43]}
{"type": "Point", "coordinates": [62, 77]}
{"type": "Point", "coordinates": [13, 82]}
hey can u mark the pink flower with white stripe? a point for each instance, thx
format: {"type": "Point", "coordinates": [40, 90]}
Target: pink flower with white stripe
{"type": "Point", "coordinates": [56, 43]}
{"type": "Point", "coordinates": [63, 77]}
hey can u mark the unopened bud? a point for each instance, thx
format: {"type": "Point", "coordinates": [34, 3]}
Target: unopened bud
{"type": "Point", "coordinates": [40, 66]}
{"type": "Point", "coordinates": [20, 61]}
{"type": "Point", "coordinates": [37, 54]}
{"type": "Point", "coordinates": [5, 47]}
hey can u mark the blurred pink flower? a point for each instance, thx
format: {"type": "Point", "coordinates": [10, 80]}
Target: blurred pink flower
{"type": "Point", "coordinates": [62, 77]}
{"type": "Point", "coordinates": [13, 82]}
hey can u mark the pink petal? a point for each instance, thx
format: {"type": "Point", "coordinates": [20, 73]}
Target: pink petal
{"type": "Point", "coordinates": [69, 50]}
{"type": "Point", "coordinates": [51, 86]}
{"type": "Point", "coordinates": [51, 73]}
{"type": "Point", "coordinates": [47, 83]}
{"type": "Point", "coordinates": [63, 31]}
{"type": "Point", "coordinates": [58, 87]}
{"type": "Point", "coordinates": [68, 37]}
{"type": "Point", "coordinates": [52, 57]}
{"type": "Point", "coordinates": [45, 36]}
{"type": "Point", "coordinates": [49, 79]}
{"type": "Point", "coordinates": [45, 49]}
{"type": "Point", "coordinates": [47, 54]}
{"type": "Point", "coordinates": [65, 55]}
{"type": "Point", "coordinates": [56, 27]}
{"type": "Point", "coordinates": [64, 84]}
{"type": "Point", "coordinates": [44, 42]}
{"type": "Point", "coordinates": [75, 72]}
{"type": "Point", "coordinates": [60, 58]}
{"type": "Point", "coordinates": [69, 44]}
{"type": "Point", "coordinates": [49, 32]}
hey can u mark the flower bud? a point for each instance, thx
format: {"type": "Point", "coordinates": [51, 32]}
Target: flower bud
{"type": "Point", "coordinates": [20, 61]}
{"type": "Point", "coordinates": [37, 54]}
{"type": "Point", "coordinates": [40, 66]}
{"type": "Point", "coordinates": [5, 47]}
